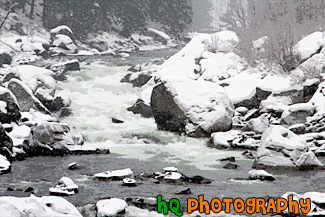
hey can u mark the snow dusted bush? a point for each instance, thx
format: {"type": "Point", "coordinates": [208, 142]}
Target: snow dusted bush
{"type": "Point", "coordinates": [284, 23]}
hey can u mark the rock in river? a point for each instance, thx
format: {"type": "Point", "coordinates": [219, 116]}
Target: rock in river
{"type": "Point", "coordinates": [197, 108]}
{"type": "Point", "coordinates": [282, 148]}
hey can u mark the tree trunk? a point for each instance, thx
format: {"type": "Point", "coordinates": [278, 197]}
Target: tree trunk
{"type": "Point", "coordinates": [32, 9]}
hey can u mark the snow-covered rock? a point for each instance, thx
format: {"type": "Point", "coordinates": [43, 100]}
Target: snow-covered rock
{"type": "Point", "coordinates": [73, 166]}
{"type": "Point", "coordinates": [172, 176]}
{"type": "Point", "coordinates": [160, 34]}
{"type": "Point", "coordinates": [36, 77]}
{"type": "Point", "coordinates": [19, 134]}
{"type": "Point", "coordinates": [129, 182]}
{"type": "Point", "coordinates": [25, 97]}
{"type": "Point", "coordinates": [197, 108]}
{"type": "Point", "coordinates": [221, 139]}
{"type": "Point", "coordinates": [37, 206]}
{"type": "Point", "coordinates": [315, 210]}
{"type": "Point", "coordinates": [65, 187]}
{"type": "Point", "coordinates": [5, 165]}
{"type": "Point", "coordinates": [67, 184]}
{"type": "Point", "coordinates": [60, 69]}
{"type": "Point", "coordinates": [317, 198]}
{"type": "Point", "coordinates": [88, 148]}
{"type": "Point", "coordinates": [110, 207]}
{"type": "Point", "coordinates": [250, 87]}
{"type": "Point", "coordinates": [215, 67]}
{"type": "Point", "coordinates": [309, 45]}
{"type": "Point", "coordinates": [258, 125]}
{"type": "Point", "coordinates": [65, 43]}
{"type": "Point", "coordinates": [318, 100]}
{"type": "Point", "coordinates": [224, 41]}
{"type": "Point", "coordinates": [282, 148]}
{"type": "Point", "coordinates": [297, 113]}
{"type": "Point", "coordinates": [115, 174]}
{"type": "Point", "coordinates": [62, 30]}
{"type": "Point", "coordinates": [261, 175]}
{"type": "Point", "coordinates": [60, 192]}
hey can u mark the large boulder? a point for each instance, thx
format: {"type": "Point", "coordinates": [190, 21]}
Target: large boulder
{"type": "Point", "coordinates": [26, 99]}
{"type": "Point", "coordinates": [52, 139]}
{"type": "Point", "coordinates": [37, 206]}
{"type": "Point", "coordinates": [197, 108]}
{"type": "Point", "coordinates": [282, 148]}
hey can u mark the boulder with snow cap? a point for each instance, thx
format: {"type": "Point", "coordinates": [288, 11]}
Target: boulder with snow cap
{"type": "Point", "coordinates": [297, 113]}
{"type": "Point", "coordinates": [282, 148]}
{"type": "Point", "coordinates": [223, 41]}
{"type": "Point", "coordinates": [64, 45]}
{"type": "Point", "coordinates": [37, 206]}
{"type": "Point", "coordinates": [63, 30]}
{"type": "Point", "coordinates": [318, 99]}
{"type": "Point", "coordinates": [65, 187]}
{"type": "Point", "coordinates": [197, 108]}
{"type": "Point", "coordinates": [219, 66]}
{"type": "Point", "coordinates": [309, 45]}
{"type": "Point", "coordinates": [60, 69]}
{"type": "Point", "coordinates": [260, 175]}
{"type": "Point", "coordinates": [159, 35]}
{"type": "Point", "coordinates": [24, 95]}
{"type": "Point", "coordinates": [258, 125]}
{"type": "Point", "coordinates": [115, 174]}
{"type": "Point", "coordinates": [36, 77]}
{"type": "Point", "coordinates": [129, 182]}
{"type": "Point", "coordinates": [110, 207]}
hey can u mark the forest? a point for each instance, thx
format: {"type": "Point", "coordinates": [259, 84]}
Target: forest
{"type": "Point", "coordinates": [124, 17]}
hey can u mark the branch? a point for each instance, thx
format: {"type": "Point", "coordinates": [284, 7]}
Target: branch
{"type": "Point", "coordinates": [9, 11]}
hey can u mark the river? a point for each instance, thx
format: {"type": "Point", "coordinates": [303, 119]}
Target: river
{"type": "Point", "coordinates": [98, 95]}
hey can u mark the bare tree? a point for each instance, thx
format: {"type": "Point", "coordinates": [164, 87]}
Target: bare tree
{"type": "Point", "coordinates": [13, 5]}
{"type": "Point", "coordinates": [32, 9]}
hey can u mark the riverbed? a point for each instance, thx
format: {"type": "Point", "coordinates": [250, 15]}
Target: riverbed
{"type": "Point", "coordinates": [98, 96]}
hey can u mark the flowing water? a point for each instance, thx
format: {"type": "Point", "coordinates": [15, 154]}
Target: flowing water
{"type": "Point", "coordinates": [98, 95]}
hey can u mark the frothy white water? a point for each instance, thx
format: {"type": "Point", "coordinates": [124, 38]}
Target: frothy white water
{"type": "Point", "coordinates": [98, 95]}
